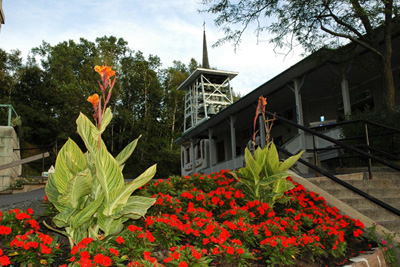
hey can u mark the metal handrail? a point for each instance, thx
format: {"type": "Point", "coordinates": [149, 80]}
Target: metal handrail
{"type": "Point", "coordinates": [331, 176]}
{"type": "Point", "coordinates": [10, 111]}
{"type": "Point", "coordinates": [348, 186]}
{"type": "Point", "coordinates": [336, 142]}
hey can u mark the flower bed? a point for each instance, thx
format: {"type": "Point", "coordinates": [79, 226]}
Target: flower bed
{"type": "Point", "coordinates": [198, 220]}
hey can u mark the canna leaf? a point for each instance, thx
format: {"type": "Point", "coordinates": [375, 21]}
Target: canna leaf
{"type": "Point", "coordinates": [120, 197]}
{"type": "Point", "coordinates": [290, 161]}
{"type": "Point", "coordinates": [86, 214]}
{"type": "Point", "coordinates": [70, 161]}
{"type": "Point", "coordinates": [252, 166]}
{"type": "Point", "coordinates": [106, 119]}
{"type": "Point", "coordinates": [79, 186]}
{"type": "Point", "coordinates": [124, 155]}
{"type": "Point", "coordinates": [89, 134]}
{"type": "Point", "coordinates": [272, 159]}
{"type": "Point", "coordinates": [135, 208]}
{"type": "Point", "coordinates": [273, 178]}
{"type": "Point", "coordinates": [108, 172]}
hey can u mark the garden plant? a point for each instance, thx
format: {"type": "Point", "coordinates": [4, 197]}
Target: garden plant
{"type": "Point", "coordinates": [257, 216]}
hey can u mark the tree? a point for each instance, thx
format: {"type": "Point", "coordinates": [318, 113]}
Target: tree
{"type": "Point", "coordinates": [315, 24]}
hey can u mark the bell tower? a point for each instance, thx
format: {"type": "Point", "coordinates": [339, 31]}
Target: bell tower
{"type": "Point", "coordinates": [208, 91]}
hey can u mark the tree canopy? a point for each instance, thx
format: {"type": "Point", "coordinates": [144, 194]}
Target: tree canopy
{"type": "Point", "coordinates": [50, 89]}
{"type": "Point", "coordinates": [315, 24]}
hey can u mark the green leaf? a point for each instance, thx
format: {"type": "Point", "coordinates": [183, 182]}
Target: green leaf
{"type": "Point", "coordinates": [106, 120]}
{"type": "Point", "coordinates": [271, 179]}
{"type": "Point", "coordinates": [279, 186]}
{"type": "Point", "coordinates": [252, 166]}
{"type": "Point", "coordinates": [52, 193]}
{"type": "Point", "coordinates": [120, 197]}
{"type": "Point", "coordinates": [135, 208]}
{"type": "Point", "coordinates": [290, 161]}
{"type": "Point", "coordinates": [108, 172]}
{"type": "Point", "coordinates": [86, 214]}
{"type": "Point", "coordinates": [89, 133]}
{"type": "Point", "coordinates": [62, 219]}
{"type": "Point", "coordinates": [124, 155]}
{"type": "Point", "coordinates": [70, 161]}
{"type": "Point", "coordinates": [260, 155]}
{"type": "Point", "coordinates": [272, 160]}
{"type": "Point", "coordinates": [109, 225]}
{"type": "Point", "coordinates": [79, 186]}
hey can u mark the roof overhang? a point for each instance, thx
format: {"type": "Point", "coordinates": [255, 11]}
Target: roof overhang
{"type": "Point", "coordinates": [199, 71]}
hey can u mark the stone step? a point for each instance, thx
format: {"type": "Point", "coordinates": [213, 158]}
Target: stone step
{"type": "Point", "coordinates": [360, 202]}
{"type": "Point", "coordinates": [361, 184]}
{"type": "Point", "coordinates": [379, 215]}
{"type": "Point", "coordinates": [393, 226]}
{"type": "Point", "coordinates": [344, 193]}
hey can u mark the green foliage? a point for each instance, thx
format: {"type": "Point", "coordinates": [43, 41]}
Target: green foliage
{"type": "Point", "coordinates": [88, 189]}
{"type": "Point", "coordinates": [264, 176]}
{"type": "Point", "coordinates": [387, 244]}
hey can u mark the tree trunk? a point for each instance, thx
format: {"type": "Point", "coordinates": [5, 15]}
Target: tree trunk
{"type": "Point", "coordinates": [387, 74]}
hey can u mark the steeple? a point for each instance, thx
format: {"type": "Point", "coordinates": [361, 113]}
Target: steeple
{"type": "Point", "coordinates": [206, 64]}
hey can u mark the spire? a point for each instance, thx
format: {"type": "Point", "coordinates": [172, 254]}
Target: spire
{"type": "Point", "coordinates": [205, 64]}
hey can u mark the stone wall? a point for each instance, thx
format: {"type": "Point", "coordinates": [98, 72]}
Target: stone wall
{"type": "Point", "coordinates": [8, 143]}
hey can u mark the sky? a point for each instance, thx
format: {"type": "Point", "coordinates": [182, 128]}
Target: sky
{"type": "Point", "coordinates": [171, 30]}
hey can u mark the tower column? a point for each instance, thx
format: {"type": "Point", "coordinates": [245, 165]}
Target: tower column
{"type": "Point", "coordinates": [192, 144]}
{"type": "Point", "coordinates": [211, 147]}
{"type": "Point", "coordinates": [232, 120]}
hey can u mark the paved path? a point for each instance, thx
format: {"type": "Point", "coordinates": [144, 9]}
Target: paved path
{"type": "Point", "coordinates": [32, 199]}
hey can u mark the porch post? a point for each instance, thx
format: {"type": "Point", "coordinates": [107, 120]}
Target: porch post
{"type": "Point", "coordinates": [210, 147]}
{"type": "Point", "coordinates": [192, 143]}
{"type": "Point", "coordinates": [262, 131]}
{"type": "Point", "coordinates": [299, 110]}
{"type": "Point", "coordinates": [346, 97]}
{"type": "Point", "coordinates": [232, 120]}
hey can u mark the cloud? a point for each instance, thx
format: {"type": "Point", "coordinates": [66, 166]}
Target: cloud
{"type": "Point", "coordinates": [172, 30]}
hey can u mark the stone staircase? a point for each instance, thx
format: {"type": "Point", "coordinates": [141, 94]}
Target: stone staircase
{"type": "Point", "coordinates": [384, 186]}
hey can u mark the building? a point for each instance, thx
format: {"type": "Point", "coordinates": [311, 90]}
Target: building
{"type": "Point", "coordinates": [321, 89]}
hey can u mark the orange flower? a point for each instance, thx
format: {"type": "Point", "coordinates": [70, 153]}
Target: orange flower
{"type": "Point", "coordinates": [94, 99]}
{"type": "Point", "coordinates": [104, 70]}
{"type": "Point", "coordinates": [263, 100]}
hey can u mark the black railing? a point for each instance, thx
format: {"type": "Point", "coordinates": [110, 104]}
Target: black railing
{"type": "Point", "coordinates": [342, 145]}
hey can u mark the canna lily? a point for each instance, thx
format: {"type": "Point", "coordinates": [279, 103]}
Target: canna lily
{"type": "Point", "coordinates": [94, 99]}
{"type": "Point", "coordinates": [104, 71]}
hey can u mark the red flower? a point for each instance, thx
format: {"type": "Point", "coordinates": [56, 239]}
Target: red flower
{"type": "Point", "coordinates": [230, 250]}
{"type": "Point", "coordinates": [176, 255]}
{"type": "Point", "coordinates": [120, 240]}
{"type": "Point", "coordinates": [216, 251]}
{"type": "Point", "coordinates": [101, 259]}
{"type": "Point", "coordinates": [240, 251]}
{"type": "Point", "coordinates": [45, 249]}
{"type": "Point", "coordinates": [4, 260]}
{"type": "Point", "coordinates": [196, 254]}
{"type": "Point", "coordinates": [183, 264]}
{"type": "Point", "coordinates": [114, 251]}
{"type": "Point", "coordinates": [46, 239]}
{"type": "Point", "coordinates": [29, 211]}
{"type": "Point", "coordinates": [5, 230]}
{"type": "Point", "coordinates": [74, 250]}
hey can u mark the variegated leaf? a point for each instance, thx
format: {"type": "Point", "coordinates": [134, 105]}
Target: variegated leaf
{"type": "Point", "coordinates": [80, 185]}
{"type": "Point", "coordinates": [124, 155]}
{"type": "Point", "coordinates": [70, 161]}
{"type": "Point", "coordinates": [120, 197]}
{"type": "Point", "coordinates": [108, 172]}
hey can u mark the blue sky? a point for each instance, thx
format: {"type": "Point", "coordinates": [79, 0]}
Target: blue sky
{"type": "Point", "coordinates": [172, 30]}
